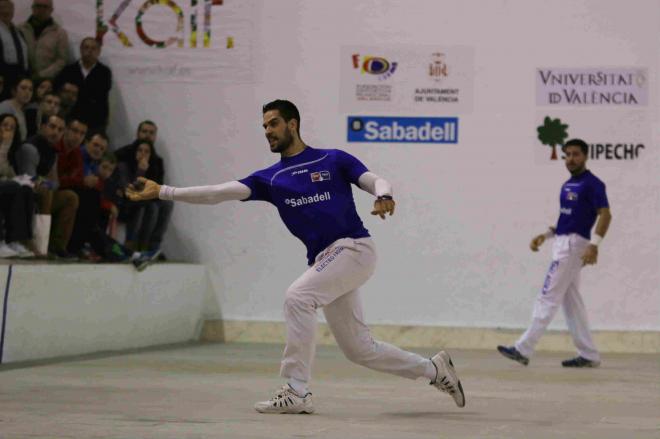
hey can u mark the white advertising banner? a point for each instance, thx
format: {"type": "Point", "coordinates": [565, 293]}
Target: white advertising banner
{"type": "Point", "coordinates": [406, 80]}
{"type": "Point", "coordinates": [612, 86]}
{"type": "Point", "coordinates": [168, 40]}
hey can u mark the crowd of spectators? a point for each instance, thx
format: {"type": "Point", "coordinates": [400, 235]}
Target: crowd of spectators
{"type": "Point", "coordinates": [56, 160]}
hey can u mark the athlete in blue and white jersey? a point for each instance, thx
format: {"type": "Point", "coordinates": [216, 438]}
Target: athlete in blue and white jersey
{"type": "Point", "coordinates": [311, 189]}
{"type": "Point", "coordinates": [312, 193]}
{"type": "Point", "coordinates": [583, 199]}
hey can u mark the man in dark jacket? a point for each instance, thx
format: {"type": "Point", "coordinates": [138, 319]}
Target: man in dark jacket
{"type": "Point", "coordinates": [94, 81]}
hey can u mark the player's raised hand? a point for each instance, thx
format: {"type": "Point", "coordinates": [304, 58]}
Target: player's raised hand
{"type": "Point", "coordinates": [142, 189]}
{"type": "Point", "coordinates": [383, 206]}
{"type": "Point", "coordinates": [590, 256]}
{"type": "Point", "coordinates": [537, 242]}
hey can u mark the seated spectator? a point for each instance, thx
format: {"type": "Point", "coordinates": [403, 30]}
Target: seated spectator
{"type": "Point", "coordinates": [16, 199]}
{"type": "Point", "coordinates": [146, 223]}
{"type": "Point", "coordinates": [73, 175]}
{"type": "Point", "coordinates": [68, 93]}
{"type": "Point", "coordinates": [41, 88]}
{"type": "Point", "coordinates": [21, 95]}
{"type": "Point", "coordinates": [94, 80]}
{"type": "Point", "coordinates": [105, 170]}
{"type": "Point", "coordinates": [47, 42]}
{"type": "Point", "coordinates": [37, 157]}
{"type": "Point", "coordinates": [101, 243]}
{"type": "Point", "coordinates": [13, 47]}
{"type": "Point", "coordinates": [47, 106]}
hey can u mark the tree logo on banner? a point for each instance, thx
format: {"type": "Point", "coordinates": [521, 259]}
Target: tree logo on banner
{"type": "Point", "coordinates": [175, 40]}
{"type": "Point", "coordinates": [552, 133]}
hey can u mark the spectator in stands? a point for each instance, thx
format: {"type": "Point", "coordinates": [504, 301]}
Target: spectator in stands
{"type": "Point", "coordinates": [38, 158]}
{"type": "Point", "coordinates": [41, 88]}
{"type": "Point", "coordinates": [32, 109]}
{"type": "Point", "coordinates": [94, 80]}
{"type": "Point", "coordinates": [105, 170]}
{"type": "Point", "coordinates": [13, 47]}
{"type": "Point", "coordinates": [21, 95]}
{"type": "Point", "coordinates": [71, 169]}
{"type": "Point", "coordinates": [104, 245]}
{"type": "Point", "coordinates": [16, 199]}
{"type": "Point", "coordinates": [68, 93]}
{"type": "Point", "coordinates": [48, 106]}
{"type": "Point", "coordinates": [146, 223]}
{"type": "Point", "coordinates": [47, 42]}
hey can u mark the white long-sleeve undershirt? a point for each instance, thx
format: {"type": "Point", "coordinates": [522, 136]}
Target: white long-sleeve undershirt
{"type": "Point", "coordinates": [375, 185]}
{"type": "Point", "coordinates": [214, 194]}
{"type": "Point", "coordinates": [235, 190]}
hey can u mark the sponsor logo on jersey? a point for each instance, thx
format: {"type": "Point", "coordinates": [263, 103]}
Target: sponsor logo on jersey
{"type": "Point", "coordinates": [566, 211]}
{"type": "Point", "coordinates": [572, 196]}
{"type": "Point", "coordinates": [299, 171]}
{"type": "Point", "coordinates": [304, 201]}
{"type": "Point", "coordinates": [320, 176]}
{"type": "Point", "coordinates": [403, 129]}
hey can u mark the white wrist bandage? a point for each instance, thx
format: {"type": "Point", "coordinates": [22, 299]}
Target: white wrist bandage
{"type": "Point", "coordinates": [596, 239]}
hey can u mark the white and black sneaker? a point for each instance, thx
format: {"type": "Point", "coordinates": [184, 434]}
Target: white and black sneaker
{"type": "Point", "coordinates": [286, 401]}
{"type": "Point", "coordinates": [446, 379]}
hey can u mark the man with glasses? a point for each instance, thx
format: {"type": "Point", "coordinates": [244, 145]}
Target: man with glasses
{"type": "Point", "coordinates": [47, 41]}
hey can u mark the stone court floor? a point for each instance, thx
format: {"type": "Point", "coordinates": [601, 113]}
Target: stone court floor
{"type": "Point", "coordinates": [207, 391]}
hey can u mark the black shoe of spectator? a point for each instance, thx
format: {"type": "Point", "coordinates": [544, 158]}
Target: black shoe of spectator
{"type": "Point", "coordinates": [162, 257]}
{"type": "Point", "coordinates": [63, 255]}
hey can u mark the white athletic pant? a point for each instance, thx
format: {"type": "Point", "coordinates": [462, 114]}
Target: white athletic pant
{"type": "Point", "coordinates": [561, 287]}
{"type": "Point", "coordinates": [332, 283]}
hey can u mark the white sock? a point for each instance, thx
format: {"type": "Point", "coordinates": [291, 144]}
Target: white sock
{"type": "Point", "coordinates": [298, 386]}
{"type": "Point", "coordinates": [431, 371]}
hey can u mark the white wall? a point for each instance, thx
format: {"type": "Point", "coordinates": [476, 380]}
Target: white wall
{"type": "Point", "coordinates": [55, 310]}
{"type": "Point", "coordinates": [456, 252]}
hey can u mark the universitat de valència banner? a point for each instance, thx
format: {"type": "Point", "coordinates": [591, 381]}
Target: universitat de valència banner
{"type": "Point", "coordinates": [168, 40]}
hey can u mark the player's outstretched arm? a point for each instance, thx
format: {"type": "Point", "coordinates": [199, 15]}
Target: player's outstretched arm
{"type": "Point", "coordinates": [147, 190]}
{"type": "Point", "coordinates": [380, 188]}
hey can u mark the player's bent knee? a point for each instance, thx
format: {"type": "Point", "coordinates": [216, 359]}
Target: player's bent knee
{"type": "Point", "coordinates": [294, 301]}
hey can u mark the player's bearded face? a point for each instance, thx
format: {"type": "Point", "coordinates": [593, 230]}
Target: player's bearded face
{"type": "Point", "coordinates": [281, 139]}
{"type": "Point", "coordinates": [575, 160]}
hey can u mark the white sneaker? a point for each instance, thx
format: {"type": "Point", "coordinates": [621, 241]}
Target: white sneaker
{"type": "Point", "coordinates": [446, 379]}
{"type": "Point", "coordinates": [6, 251]}
{"type": "Point", "coordinates": [20, 249]}
{"type": "Point", "coordinates": [286, 401]}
